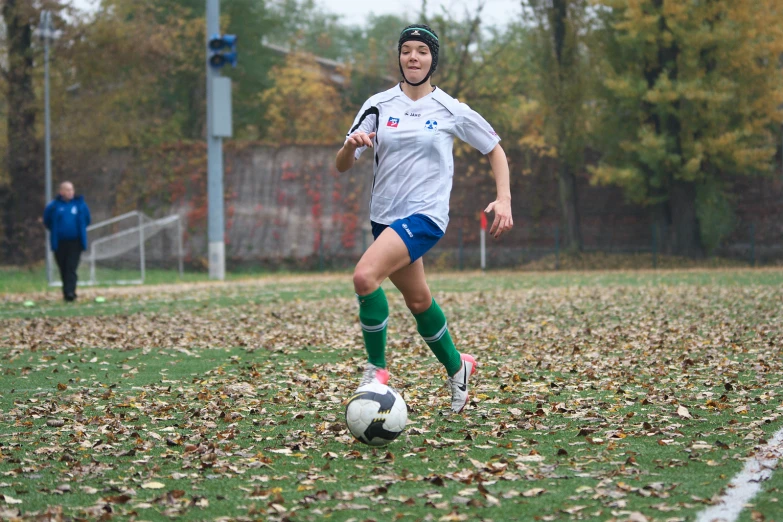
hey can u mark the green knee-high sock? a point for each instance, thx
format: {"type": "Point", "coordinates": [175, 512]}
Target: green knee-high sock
{"type": "Point", "coordinates": [433, 328]}
{"type": "Point", "coordinates": [373, 316]}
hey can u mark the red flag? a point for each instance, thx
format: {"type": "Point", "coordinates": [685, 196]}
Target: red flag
{"type": "Point", "coordinates": [483, 221]}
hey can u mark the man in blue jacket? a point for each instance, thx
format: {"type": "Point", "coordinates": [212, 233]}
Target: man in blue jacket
{"type": "Point", "coordinates": [67, 218]}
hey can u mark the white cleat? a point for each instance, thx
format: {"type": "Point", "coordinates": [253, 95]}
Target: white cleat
{"type": "Point", "coordinates": [374, 373]}
{"type": "Point", "coordinates": [459, 383]}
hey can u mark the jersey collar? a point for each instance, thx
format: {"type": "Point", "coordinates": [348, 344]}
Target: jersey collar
{"type": "Point", "coordinates": [403, 95]}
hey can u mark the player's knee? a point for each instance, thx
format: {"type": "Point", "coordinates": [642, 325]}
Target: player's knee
{"type": "Point", "coordinates": [419, 303]}
{"type": "Point", "coordinates": [364, 281]}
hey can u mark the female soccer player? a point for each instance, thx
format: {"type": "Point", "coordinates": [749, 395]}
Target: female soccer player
{"type": "Point", "coordinates": [411, 128]}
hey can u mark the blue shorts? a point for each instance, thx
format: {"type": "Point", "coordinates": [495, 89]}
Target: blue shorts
{"type": "Point", "coordinates": [418, 232]}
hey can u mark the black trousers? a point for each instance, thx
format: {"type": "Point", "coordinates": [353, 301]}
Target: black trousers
{"type": "Point", "coordinates": [67, 254]}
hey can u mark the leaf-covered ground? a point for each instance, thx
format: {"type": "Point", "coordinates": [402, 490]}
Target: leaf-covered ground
{"type": "Point", "coordinates": [603, 396]}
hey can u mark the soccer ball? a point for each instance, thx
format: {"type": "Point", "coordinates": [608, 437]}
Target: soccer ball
{"type": "Point", "coordinates": [376, 414]}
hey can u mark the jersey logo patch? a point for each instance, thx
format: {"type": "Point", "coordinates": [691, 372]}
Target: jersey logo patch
{"type": "Point", "coordinates": [393, 122]}
{"type": "Point", "coordinates": [431, 125]}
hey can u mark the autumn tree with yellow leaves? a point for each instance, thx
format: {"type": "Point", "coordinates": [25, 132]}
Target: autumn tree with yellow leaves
{"type": "Point", "coordinates": [304, 105]}
{"type": "Point", "coordinates": [691, 100]}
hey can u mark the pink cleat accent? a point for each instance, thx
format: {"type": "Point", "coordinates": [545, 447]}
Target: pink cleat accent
{"type": "Point", "coordinates": [382, 376]}
{"type": "Point", "coordinates": [374, 373]}
{"type": "Point", "coordinates": [471, 360]}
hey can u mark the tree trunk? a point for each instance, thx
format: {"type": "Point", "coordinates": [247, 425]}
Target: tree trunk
{"type": "Point", "coordinates": [686, 239]}
{"type": "Point", "coordinates": [676, 223]}
{"type": "Point", "coordinates": [567, 185]}
{"type": "Point", "coordinates": [566, 177]}
{"type": "Point", "coordinates": [23, 198]}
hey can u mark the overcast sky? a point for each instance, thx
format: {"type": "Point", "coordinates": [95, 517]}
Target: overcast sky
{"type": "Point", "coordinates": [354, 12]}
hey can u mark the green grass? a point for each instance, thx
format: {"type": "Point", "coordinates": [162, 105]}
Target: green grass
{"type": "Point", "coordinates": [770, 500]}
{"type": "Point", "coordinates": [580, 382]}
{"type": "Point", "coordinates": [283, 287]}
{"type": "Point", "coordinates": [26, 280]}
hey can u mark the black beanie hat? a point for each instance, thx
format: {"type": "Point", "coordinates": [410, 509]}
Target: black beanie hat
{"type": "Point", "coordinates": [421, 33]}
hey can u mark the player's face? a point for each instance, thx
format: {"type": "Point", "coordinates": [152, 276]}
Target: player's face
{"type": "Point", "coordinates": [416, 59]}
{"type": "Point", "coordinates": [66, 191]}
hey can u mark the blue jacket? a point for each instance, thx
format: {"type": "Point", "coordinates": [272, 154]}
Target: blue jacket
{"type": "Point", "coordinates": [51, 219]}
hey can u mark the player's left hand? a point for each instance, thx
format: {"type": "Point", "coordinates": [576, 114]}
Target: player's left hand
{"type": "Point", "coordinates": [503, 221]}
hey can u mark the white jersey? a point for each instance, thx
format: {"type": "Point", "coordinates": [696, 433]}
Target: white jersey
{"type": "Point", "coordinates": [414, 164]}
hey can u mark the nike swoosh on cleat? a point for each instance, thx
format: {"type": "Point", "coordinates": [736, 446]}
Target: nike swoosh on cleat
{"type": "Point", "coordinates": [464, 385]}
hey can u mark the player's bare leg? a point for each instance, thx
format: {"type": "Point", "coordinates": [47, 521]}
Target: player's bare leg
{"type": "Point", "coordinates": [432, 326]}
{"type": "Point", "coordinates": [385, 256]}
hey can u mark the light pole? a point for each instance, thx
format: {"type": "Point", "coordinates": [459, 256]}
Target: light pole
{"type": "Point", "coordinates": [47, 34]}
{"type": "Point", "coordinates": [221, 50]}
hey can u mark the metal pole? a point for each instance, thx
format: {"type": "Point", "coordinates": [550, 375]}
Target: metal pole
{"type": "Point", "coordinates": [141, 243]}
{"type": "Point", "coordinates": [46, 34]}
{"type": "Point", "coordinates": [92, 263]}
{"type": "Point", "coordinates": [215, 213]}
{"type": "Point", "coordinates": [655, 246]}
{"type": "Point", "coordinates": [320, 251]}
{"type": "Point", "coordinates": [483, 249]}
{"type": "Point", "coordinates": [179, 246]}
{"type": "Point", "coordinates": [557, 247]}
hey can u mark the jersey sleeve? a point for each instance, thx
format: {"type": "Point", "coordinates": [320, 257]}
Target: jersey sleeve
{"type": "Point", "coordinates": [366, 121]}
{"type": "Point", "coordinates": [474, 130]}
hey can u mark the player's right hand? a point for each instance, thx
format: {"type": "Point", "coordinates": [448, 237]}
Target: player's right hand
{"type": "Point", "coordinates": [360, 139]}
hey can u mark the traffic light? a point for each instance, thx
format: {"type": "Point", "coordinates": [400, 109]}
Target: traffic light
{"type": "Point", "coordinates": [222, 50]}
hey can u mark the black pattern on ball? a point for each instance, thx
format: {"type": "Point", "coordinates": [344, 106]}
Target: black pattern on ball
{"type": "Point", "coordinates": [376, 430]}
{"type": "Point", "coordinates": [386, 400]}
{"type": "Point", "coordinates": [376, 414]}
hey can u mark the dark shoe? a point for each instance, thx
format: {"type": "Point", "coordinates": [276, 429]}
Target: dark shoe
{"type": "Point", "coordinates": [70, 298]}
